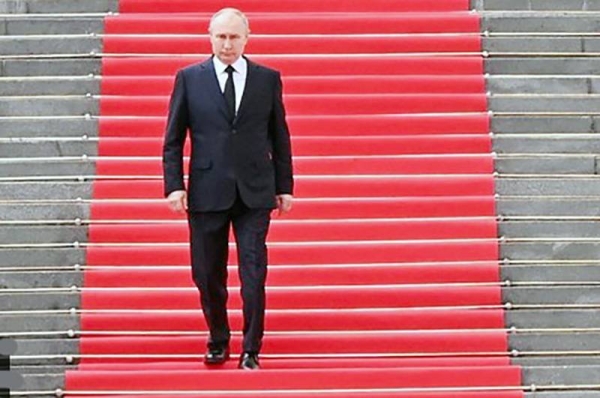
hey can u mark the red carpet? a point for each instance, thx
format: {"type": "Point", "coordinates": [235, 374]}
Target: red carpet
{"type": "Point", "coordinates": [384, 280]}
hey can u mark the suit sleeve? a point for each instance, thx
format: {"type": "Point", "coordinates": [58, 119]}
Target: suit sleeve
{"type": "Point", "coordinates": [175, 134]}
{"type": "Point", "coordinates": [280, 136]}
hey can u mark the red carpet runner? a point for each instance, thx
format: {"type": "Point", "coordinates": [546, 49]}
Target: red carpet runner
{"type": "Point", "coordinates": [384, 281]}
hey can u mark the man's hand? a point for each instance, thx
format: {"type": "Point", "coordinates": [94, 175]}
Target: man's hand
{"type": "Point", "coordinates": [284, 203]}
{"type": "Point", "coordinates": [178, 201]}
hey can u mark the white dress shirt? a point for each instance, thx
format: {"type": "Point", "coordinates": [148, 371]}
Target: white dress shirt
{"type": "Point", "coordinates": [239, 77]}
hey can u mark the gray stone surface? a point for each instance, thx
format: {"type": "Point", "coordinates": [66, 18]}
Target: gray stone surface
{"type": "Point", "coordinates": [24, 45]}
{"type": "Point", "coordinates": [44, 211]}
{"type": "Point", "coordinates": [58, 6]}
{"type": "Point", "coordinates": [560, 375]}
{"type": "Point", "coordinates": [553, 319]}
{"type": "Point", "coordinates": [561, 250]}
{"type": "Point", "coordinates": [540, 22]}
{"type": "Point", "coordinates": [48, 106]}
{"type": "Point", "coordinates": [555, 273]}
{"type": "Point", "coordinates": [48, 149]}
{"type": "Point", "coordinates": [45, 190]}
{"type": "Point", "coordinates": [543, 65]}
{"type": "Point", "coordinates": [39, 301]}
{"type": "Point", "coordinates": [552, 295]}
{"type": "Point", "coordinates": [543, 124]}
{"type": "Point", "coordinates": [548, 186]}
{"type": "Point", "coordinates": [513, 84]}
{"type": "Point", "coordinates": [50, 86]}
{"type": "Point", "coordinates": [50, 67]}
{"type": "Point", "coordinates": [43, 382]}
{"type": "Point", "coordinates": [574, 144]}
{"type": "Point", "coordinates": [17, 234]}
{"type": "Point", "coordinates": [582, 165]}
{"type": "Point", "coordinates": [552, 229]}
{"type": "Point", "coordinates": [551, 5]}
{"type": "Point", "coordinates": [540, 206]}
{"type": "Point", "coordinates": [556, 342]}
{"type": "Point", "coordinates": [41, 257]}
{"type": "Point", "coordinates": [534, 103]}
{"type": "Point", "coordinates": [47, 346]}
{"type": "Point", "coordinates": [535, 45]}
{"type": "Point", "coordinates": [52, 25]}
{"type": "Point", "coordinates": [39, 279]}
{"type": "Point", "coordinates": [47, 169]}
{"type": "Point", "coordinates": [39, 323]}
{"type": "Point", "coordinates": [48, 127]}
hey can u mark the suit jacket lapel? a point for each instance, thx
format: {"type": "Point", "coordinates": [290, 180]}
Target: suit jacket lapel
{"type": "Point", "coordinates": [212, 84]}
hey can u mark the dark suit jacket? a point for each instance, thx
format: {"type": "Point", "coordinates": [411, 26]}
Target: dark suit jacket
{"type": "Point", "coordinates": [252, 152]}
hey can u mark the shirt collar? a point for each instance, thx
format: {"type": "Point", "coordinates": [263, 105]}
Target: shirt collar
{"type": "Point", "coordinates": [240, 66]}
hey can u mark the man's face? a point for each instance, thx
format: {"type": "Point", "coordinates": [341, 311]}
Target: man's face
{"type": "Point", "coordinates": [228, 36]}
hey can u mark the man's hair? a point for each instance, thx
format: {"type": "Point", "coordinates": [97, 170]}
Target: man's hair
{"type": "Point", "coordinates": [233, 11]}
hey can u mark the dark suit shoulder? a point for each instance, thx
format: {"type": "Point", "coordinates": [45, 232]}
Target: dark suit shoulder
{"type": "Point", "coordinates": [193, 68]}
{"type": "Point", "coordinates": [263, 69]}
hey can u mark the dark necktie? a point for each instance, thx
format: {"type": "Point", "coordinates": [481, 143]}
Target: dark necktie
{"type": "Point", "coordinates": [229, 92]}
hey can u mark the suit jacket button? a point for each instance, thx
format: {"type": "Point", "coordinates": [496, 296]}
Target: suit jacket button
{"type": "Point", "coordinates": [234, 131]}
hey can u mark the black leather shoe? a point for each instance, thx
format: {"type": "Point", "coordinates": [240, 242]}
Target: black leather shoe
{"type": "Point", "coordinates": [249, 361]}
{"type": "Point", "coordinates": [216, 356]}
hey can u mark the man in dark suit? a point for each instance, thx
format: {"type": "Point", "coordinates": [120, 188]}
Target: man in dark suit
{"type": "Point", "coordinates": [240, 170]}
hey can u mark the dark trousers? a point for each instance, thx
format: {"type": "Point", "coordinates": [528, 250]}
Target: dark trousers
{"type": "Point", "coordinates": [209, 234]}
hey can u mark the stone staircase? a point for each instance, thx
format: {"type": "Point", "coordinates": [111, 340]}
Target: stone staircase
{"type": "Point", "coordinates": [542, 65]}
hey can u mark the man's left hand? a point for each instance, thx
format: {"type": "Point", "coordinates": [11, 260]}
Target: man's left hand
{"type": "Point", "coordinates": [284, 203]}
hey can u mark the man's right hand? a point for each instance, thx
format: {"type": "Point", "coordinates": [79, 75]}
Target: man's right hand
{"type": "Point", "coordinates": [178, 201]}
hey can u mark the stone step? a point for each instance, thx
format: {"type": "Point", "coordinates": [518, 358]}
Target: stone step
{"type": "Point", "coordinates": [536, 295]}
{"type": "Point", "coordinates": [547, 165]}
{"type": "Point", "coordinates": [39, 323]}
{"type": "Point", "coordinates": [501, 66]}
{"type": "Point", "coordinates": [15, 234]}
{"type": "Point", "coordinates": [539, 21]}
{"type": "Point", "coordinates": [72, 85]}
{"type": "Point", "coordinates": [48, 127]}
{"type": "Point", "coordinates": [57, 168]}
{"type": "Point", "coordinates": [548, 186]}
{"type": "Point", "coordinates": [507, 207]}
{"type": "Point", "coordinates": [514, 273]}
{"type": "Point", "coordinates": [45, 190]}
{"type": "Point", "coordinates": [48, 106]}
{"type": "Point", "coordinates": [24, 45]}
{"type": "Point", "coordinates": [48, 234]}
{"type": "Point", "coordinates": [540, 187]}
{"type": "Point", "coordinates": [57, 6]}
{"type": "Point", "coordinates": [534, 21]}
{"type": "Point", "coordinates": [552, 375]}
{"type": "Point", "coordinates": [520, 319]}
{"type": "Point", "coordinates": [558, 250]}
{"type": "Point", "coordinates": [542, 65]}
{"type": "Point", "coordinates": [49, 148]}
{"type": "Point", "coordinates": [549, 295]}
{"type": "Point", "coordinates": [543, 165]}
{"type": "Point", "coordinates": [39, 279]}
{"type": "Point", "coordinates": [584, 144]}
{"type": "Point", "coordinates": [51, 25]}
{"type": "Point", "coordinates": [509, 84]}
{"type": "Point", "coordinates": [80, 105]}
{"type": "Point", "coordinates": [44, 211]}
{"type": "Point", "coordinates": [528, 84]}
{"type": "Point", "coordinates": [545, 5]}
{"type": "Point", "coordinates": [543, 103]}
{"type": "Point", "coordinates": [548, 272]}
{"type": "Point", "coordinates": [79, 126]}
{"type": "Point", "coordinates": [51, 67]}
